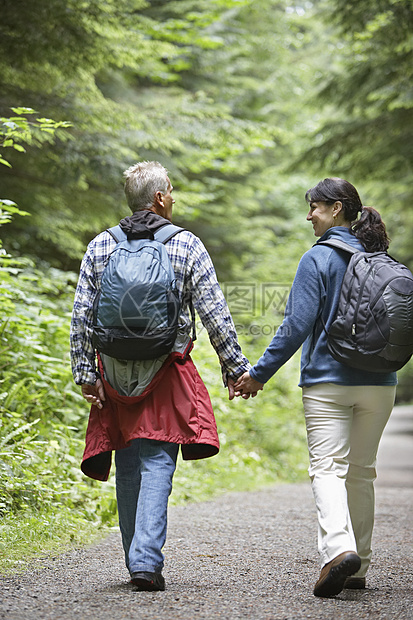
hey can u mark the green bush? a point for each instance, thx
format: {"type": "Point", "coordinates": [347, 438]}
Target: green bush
{"type": "Point", "coordinates": [42, 416]}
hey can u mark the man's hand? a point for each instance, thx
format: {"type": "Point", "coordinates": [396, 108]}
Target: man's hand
{"type": "Point", "coordinates": [94, 394]}
{"type": "Point", "coordinates": [246, 386]}
{"type": "Point", "coordinates": [231, 391]}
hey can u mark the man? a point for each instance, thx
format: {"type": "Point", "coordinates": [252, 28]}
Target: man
{"type": "Point", "coordinates": [143, 410]}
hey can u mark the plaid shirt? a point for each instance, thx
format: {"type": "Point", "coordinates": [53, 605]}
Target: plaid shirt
{"type": "Point", "coordinates": [196, 279]}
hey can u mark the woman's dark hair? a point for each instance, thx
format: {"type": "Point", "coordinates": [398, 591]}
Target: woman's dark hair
{"type": "Point", "coordinates": [369, 228]}
{"type": "Point", "coordinates": [371, 231]}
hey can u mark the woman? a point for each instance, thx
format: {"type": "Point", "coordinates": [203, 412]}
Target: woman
{"type": "Point", "coordinates": [346, 409]}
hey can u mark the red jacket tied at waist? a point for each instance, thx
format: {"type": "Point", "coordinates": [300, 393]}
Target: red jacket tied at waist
{"type": "Point", "coordinates": [175, 407]}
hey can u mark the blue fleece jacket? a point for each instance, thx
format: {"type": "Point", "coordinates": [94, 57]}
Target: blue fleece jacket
{"type": "Point", "coordinates": [314, 294]}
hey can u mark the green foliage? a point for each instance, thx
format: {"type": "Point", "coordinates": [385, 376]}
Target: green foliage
{"type": "Point", "coordinates": [42, 413]}
{"type": "Point", "coordinates": [188, 83]}
{"type": "Point", "coordinates": [365, 131]}
{"type": "Point", "coordinates": [20, 128]}
{"type": "Point", "coordinates": [43, 493]}
{"type": "Point", "coordinates": [28, 538]}
{"type": "Point", "coordinates": [42, 417]}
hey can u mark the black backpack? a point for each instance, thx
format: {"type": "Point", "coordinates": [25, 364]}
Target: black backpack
{"type": "Point", "coordinates": [373, 326]}
{"type": "Point", "coordinates": [137, 310]}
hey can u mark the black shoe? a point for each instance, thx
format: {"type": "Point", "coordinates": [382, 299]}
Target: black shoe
{"type": "Point", "coordinates": [333, 575]}
{"type": "Point", "coordinates": [150, 582]}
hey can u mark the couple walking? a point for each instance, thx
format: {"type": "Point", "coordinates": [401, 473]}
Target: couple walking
{"type": "Point", "coordinates": [144, 410]}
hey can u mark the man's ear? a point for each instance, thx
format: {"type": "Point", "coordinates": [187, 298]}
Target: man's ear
{"type": "Point", "coordinates": [159, 198]}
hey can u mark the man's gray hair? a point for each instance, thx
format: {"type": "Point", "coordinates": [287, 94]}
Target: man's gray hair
{"type": "Point", "coordinates": [142, 181]}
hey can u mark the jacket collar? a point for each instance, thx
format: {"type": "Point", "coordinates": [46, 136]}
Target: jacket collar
{"type": "Point", "coordinates": [142, 224]}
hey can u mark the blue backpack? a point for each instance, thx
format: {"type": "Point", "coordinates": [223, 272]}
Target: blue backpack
{"type": "Point", "coordinates": [373, 326]}
{"type": "Point", "coordinates": [137, 310]}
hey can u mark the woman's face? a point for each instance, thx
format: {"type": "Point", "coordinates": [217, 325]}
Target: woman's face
{"type": "Point", "coordinates": [321, 217]}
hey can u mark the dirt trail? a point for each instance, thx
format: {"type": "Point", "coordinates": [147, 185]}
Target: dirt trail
{"type": "Point", "coordinates": [244, 555]}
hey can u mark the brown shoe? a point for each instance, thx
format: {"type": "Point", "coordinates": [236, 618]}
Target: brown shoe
{"type": "Point", "coordinates": [333, 575]}
{"type": "Point", "coordinates": [355, 583]}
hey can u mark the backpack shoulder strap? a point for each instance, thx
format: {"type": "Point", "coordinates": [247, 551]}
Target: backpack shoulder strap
{"type": "Point", "coordinates": [163, 235]}
{"type": "Point", "coordinates": [117, 233]}
{"type": "Point", "coordinates": [341, 245]}
{"type": "Point", "coordinates": [167, 232]}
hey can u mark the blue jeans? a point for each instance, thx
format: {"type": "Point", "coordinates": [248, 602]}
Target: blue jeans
{"type": "Point", "coordinates": [144, 473]}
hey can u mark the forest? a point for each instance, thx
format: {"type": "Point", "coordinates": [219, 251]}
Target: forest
{"type": "Point", "coordinates": [247, 103]}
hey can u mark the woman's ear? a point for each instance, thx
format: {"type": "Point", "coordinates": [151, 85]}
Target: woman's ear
{"type": "Point", "coordinates": [337, 207]}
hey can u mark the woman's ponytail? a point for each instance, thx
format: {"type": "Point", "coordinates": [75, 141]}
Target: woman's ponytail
{"type": "Point", "coordinates": [371, 231]}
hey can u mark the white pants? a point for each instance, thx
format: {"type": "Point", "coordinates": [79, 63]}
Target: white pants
{"type": "Point", "coordinates": [344, 427]}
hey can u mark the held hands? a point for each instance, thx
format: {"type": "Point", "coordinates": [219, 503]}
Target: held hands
{"type": "Point", "coordinates": [94, 394]}
{"type": "Point", "coordinates": [245, 386]}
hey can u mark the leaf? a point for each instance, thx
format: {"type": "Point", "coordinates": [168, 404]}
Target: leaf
{"type": "Point", "coordinates": [10, 124]}
{"type": "Point", "coordinates": [23, 110]}
{"type": "Point", "coordinates": [11, 207]}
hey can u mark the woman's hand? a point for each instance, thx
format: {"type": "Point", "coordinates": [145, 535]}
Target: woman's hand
{"type": "Point", "coordinates": [246, 386]}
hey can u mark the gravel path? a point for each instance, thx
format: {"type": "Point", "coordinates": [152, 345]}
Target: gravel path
{"type": "Point", "coordinates": [242, 556]}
